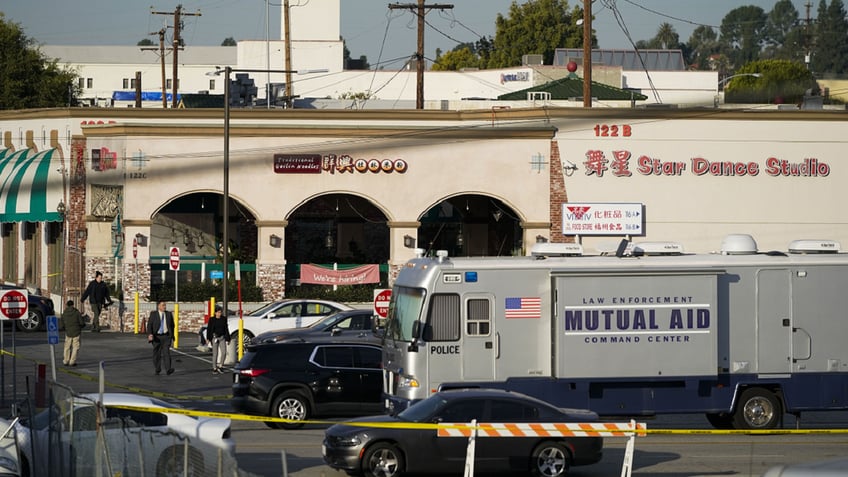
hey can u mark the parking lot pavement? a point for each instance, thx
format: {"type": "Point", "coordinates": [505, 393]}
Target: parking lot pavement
{"type": "Point", "coordinates": [126, 361]}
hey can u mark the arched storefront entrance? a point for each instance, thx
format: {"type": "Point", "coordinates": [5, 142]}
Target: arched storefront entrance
{"type": "Point", "coordinates": [335, 231]}
{"type": "Point", "coordinates": [471, 225]}
{"type": "Point", "coordinates": [194, 223]}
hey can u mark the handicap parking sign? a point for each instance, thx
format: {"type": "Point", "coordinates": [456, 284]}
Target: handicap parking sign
{"type": "Point", "coordinates": [52, 329]}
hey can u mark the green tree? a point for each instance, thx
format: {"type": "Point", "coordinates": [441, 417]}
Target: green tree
{"type": "Point", "coordinates": [779, 81]}
{"type": "Point", "coordinates": [144, 42]}
{"type": "Point", "coordinates": [455, 60]}
{"type": "Point", "coordinates": [830, 55]}
{"type": "Point", "coordinates": [702, 44]}
{"type": "Point", "coordinates": [229, 41]}
{"type": "Point", "coordinates": [742, 34]}
{"type": "Point", "coordinates": [667, 38]}
{"type": "Point", "coordinates": [784, 37]}
{"type": "Point", "coordinates": [27, 78]}
{"type": "Point", "coordinates": [535, 27]}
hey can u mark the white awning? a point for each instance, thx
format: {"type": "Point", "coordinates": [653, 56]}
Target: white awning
{"type": "Point", "coordinates": [31, 186]}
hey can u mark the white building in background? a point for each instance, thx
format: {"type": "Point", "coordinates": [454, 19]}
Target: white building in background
{"type": "Point", "coordinates": [107, 73]}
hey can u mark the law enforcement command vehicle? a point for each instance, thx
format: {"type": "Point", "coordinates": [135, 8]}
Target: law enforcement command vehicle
{"type": "Point", "coordinates": [740, 335]}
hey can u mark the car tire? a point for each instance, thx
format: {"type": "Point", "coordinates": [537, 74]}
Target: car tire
{"type": "Point", "coordinates": [33, 322]}
{"type": "Point", "coordinates": [170, 463]}
{"type": "Point", "coordinates": [758, 408]}
{"type": "Point", "coordinates": [247, 338]}
{"type": "Point", "coordinates": [550, 459]}
{"type": "Point", "coordinates": [382, 460]}
{"type": "Point", "coordinates": [290, 405]}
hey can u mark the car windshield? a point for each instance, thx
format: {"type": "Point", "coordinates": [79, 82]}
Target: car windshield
{"type": "Point", "coordinates": [328, 321]}
{"type": "Point", "coordinates": [404, 310]}
{"type": "Point", "coordinates": [265, 309]}
{"type": "Point", "coordinates": [422, 410]}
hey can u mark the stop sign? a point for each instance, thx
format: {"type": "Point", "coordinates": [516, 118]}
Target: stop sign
{"type": "Point", "coordinates": [13, 304]}
{"type": "Point", "coordinates": [381, 302]}
{"type": "Point", "coordinates": [175, 258]}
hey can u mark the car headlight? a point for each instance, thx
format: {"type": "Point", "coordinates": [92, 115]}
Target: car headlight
{"type": "Point", "coordinates": [405, 382]}
{"type": "Point", "coordinates": [347, 441]}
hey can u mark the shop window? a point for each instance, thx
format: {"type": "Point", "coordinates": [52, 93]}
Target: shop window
{"type": "Point", "coordinates": [89, 83]}
{"type": "Point", "coordinates": [126, 83]}
{"type": "Point", "coordinates": [211, 85]}
{"type": "Point", "coordinates": [10, 252]}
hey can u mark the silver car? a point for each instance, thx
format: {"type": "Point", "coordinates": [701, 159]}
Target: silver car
{"type": "Point", "coordinates": [148, 440]}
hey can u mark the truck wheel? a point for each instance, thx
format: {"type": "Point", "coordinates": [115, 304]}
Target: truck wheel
{"type": "Point", "coordinates": [550, 459]}
{"type": "Point", "coordinates": [382, 460]}
{"type": "Point", "coordinates": [757, 409]}
{"type": "Point", "coordinates": [290, 405]}
{"type": "Point", "coordinates": [720, 420]}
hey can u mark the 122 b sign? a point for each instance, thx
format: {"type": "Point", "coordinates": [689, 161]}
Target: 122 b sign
{"type": "Point", "coordinates": [13, 304]}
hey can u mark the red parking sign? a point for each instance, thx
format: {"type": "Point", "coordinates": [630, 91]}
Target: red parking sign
{"type": "Point", "coordinates": [175, 258]}
{"type": "Point", "coordinates": [13, 304]}
{"type": "Point", "coordinates": [381, 302]}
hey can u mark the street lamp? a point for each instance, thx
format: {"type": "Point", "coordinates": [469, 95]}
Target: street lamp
{"type": "Point", "coordinates": [725, 80]}
{"type": "Point", "coordinates": [228, 71]}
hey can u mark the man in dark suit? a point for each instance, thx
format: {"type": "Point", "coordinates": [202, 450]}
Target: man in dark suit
{"type": "Point", "coordinates": [160, 332]}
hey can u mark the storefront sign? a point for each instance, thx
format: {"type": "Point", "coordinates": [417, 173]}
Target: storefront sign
{"type": "Point", "coordinates": [623, 163]}
{"type": "Point", "coordinates": [310, 273]}
{"type": "Point", "coordinates": [297, 163]}
{"type": "Point", "coordinates": [602, 219]}
{"type": "Point", "coordinates": [518, 76]}
{"type": "Point", "coordinates": [332, 163]}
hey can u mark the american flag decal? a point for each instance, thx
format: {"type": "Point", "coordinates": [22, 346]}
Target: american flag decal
{"type": "Point", "coordinates": [524, 307]}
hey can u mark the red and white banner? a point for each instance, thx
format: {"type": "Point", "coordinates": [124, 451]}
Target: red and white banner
{"type": "Point", "coordinates": [353, 276]}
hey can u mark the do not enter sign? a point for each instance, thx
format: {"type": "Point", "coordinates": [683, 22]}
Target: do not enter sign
{"type": "Point", "coordinates": [175, 258]}
{"type": "Point", "coordinates": [13, 304]}
{"type": "Point", "coordinates": [381, 302]}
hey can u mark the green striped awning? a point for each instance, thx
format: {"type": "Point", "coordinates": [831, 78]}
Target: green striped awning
{"type": "Point", "coordinates": [31, 186]}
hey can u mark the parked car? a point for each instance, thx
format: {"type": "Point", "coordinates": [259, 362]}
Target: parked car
{"type": "Point", "coordinates": [390, 451]}
{"type": "Point", "coordinates": [9, 460]}
{"type": "Point", "coordinates": [347, 324]}
{"type": "Point", "coordinates": [38, 307]}
{"type": "Point", "coordinates": [278, 315]}
{"type": "Point", "coordinates": [304, 380]}
{"type": "Point", "coordinates": [162, 452]}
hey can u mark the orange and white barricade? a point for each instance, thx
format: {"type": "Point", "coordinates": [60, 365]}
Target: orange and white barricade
{"type": "Point", "coordinates": [474, 430]}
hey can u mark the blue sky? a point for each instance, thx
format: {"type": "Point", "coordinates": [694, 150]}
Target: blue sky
{"type": "Point", "coordinates": [363, 24]}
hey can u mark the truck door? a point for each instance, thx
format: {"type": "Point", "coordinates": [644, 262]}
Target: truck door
{"type": "Point", "coordinates": [479, 348]}
{"type": "Point", "coordinates": [774, 321]}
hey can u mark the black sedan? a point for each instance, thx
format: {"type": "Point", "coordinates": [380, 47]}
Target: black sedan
{"type": "Point", "coordinates": [398, 449]}
{"type": "Point", "coordinates": [346, 324]}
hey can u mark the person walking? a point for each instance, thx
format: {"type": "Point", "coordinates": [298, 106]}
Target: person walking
{"type": "Point", "coordinates": [73, 323]}
{"type": "Point", "coordinates": [98, 298]}
{"type": "Point", "coordinates": [218, 335]}
{"type": "Point", "coordinates": [160, 333]}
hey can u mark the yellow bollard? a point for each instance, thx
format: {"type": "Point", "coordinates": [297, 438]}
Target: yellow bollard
{"type": "Point", "coordinates": [176, 325]}
{"type": "Point", "coordinates": [135, 312]}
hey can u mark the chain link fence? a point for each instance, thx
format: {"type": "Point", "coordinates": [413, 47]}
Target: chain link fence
{"type": "Point", "coordinates": [74, 436]}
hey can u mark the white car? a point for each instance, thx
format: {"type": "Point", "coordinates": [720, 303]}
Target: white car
{"type": "Point", "coordinates": [279, 315]}
{"type": "Point", "coordinates": [152, 443]}
{"type": "Point", "coordinates": [9, 462]}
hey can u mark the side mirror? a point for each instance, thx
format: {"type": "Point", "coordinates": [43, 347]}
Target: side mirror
{"type": "Point", "coordinates": [271, 315]}
{"type": "Point", "coordinates": [335, 331]}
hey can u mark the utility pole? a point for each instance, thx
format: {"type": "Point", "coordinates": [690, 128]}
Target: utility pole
{"type": "Point", "coordinates": [808, 37]}
{"type": "Point", "coordinates": [587, 53]}
{"type": "Point", "coordinates": [287, 34]}
{"type": "Point", "coordinates": [419, 54]}
{"type": "Point", "coordinates": [161, 34]}
{"type": "Point", "coordinates": [178, 13]}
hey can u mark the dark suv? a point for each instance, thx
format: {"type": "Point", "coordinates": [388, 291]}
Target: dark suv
{"type": "Point", "coordinates": [38, 307]}
{"type": "Point", "coordinates": [305, 380]}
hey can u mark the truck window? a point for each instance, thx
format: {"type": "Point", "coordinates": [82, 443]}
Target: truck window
{"type": "Point", "coordinates": [404, 310]}
{"type": "Point", "coordinates": [443, 320]}
{"type": "Point", "coordinates": [479, 319]}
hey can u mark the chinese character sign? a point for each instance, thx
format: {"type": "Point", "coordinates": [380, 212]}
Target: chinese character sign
{"type": "Point", "coordinates": [602, 219]}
